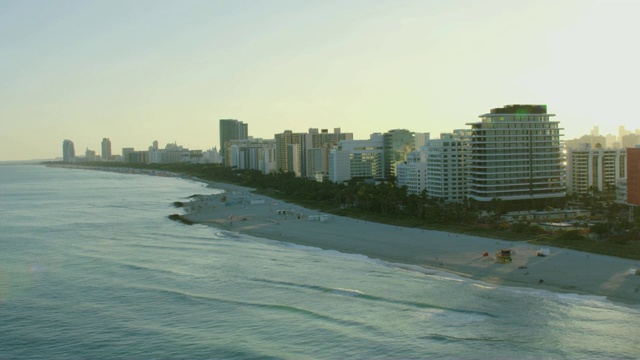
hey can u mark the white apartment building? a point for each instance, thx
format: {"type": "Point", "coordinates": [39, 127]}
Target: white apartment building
{"type": "Point", "coordinates": [516, 154]}
{"type": "Point", "coordinates": [589, 166]}
{"type": "Point", "coordinates": [357, 158]}
{"type": "Point", "coordinates": [447, 167]}
{"type": "Point", "coordinates": [253, 154]}
{"type": "Point", "coordinates": [413, 175]}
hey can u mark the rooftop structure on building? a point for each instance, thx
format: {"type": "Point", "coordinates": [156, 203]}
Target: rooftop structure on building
{"type": "Point", "coordinates": [516, 154]}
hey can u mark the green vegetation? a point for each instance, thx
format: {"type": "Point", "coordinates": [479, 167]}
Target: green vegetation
{"type": "Point", "coordinates": [384, 202]}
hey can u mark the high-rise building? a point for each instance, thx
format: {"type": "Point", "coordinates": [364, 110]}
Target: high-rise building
{"type": "Point", "coordinates": [125, 154]}
{"type": "Point", "coordinates": [106, 149]}
{"type": "Point", "coordinates": [254, 154]}
{"type": "Point", "coordinates": [289, 147]}
{"type": "Point", "coordinates": [231, 129]}
{"type": "Point", "coordinates": [447, 167]}
{"type": "Point", "coordinates": [357, 158]}
{"type": "Point", "coordinates": [412, 174]}
{"type": "Point", "coordinates": [398, 144]}
{"type": "Point", "coordinates": [68, 151]}
{"type": "Point", "coordinates": [589, 167]}
{"type": "Point", "coordinates": [516, 154]}
{"type": "Point", "coordinates": [633, 176]}
{"type": "Point", "coordinates": [318, 144]}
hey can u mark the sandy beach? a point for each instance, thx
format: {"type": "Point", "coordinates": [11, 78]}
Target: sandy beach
{"type": "Point", "coordinates": [563, 270]}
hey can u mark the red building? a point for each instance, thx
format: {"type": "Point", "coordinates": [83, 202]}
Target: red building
{"type": "Point", "coordinates": [633, 176]}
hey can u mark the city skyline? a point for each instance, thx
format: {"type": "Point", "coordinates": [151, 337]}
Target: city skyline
{"type": "Point", "coordinates": [144, 71]}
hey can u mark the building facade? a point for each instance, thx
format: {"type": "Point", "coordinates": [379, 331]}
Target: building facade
{"type": "Point", "coordinates": [589, 168]}
{"type": "Point", "coordinates": [516, 154]}
{"type": "Point", "coordinates": [68, 151]}
{"type": "Point", "coordinates": [412, 174]}
{"type": "Point", "coordinates": [447, 166]}
{"type": "Point", "coordinates": [357, 159]}
{"type": "Point", "coordinates": [231, 129]}
{"type": "Point", "coordinates": [398, 144]}
{"type": "Point", "coordinates": [253, 154]}
{"type": "Point", "coordinates": [289, 147]}
{"type": "Point", "coordinates": [106, 149]}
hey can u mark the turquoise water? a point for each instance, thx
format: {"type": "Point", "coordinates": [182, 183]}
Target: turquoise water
{"type": "Point", "coordinates": [90, 267]}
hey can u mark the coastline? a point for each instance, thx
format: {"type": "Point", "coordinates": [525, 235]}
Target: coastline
{"type": "Point", "coordinates": [563, 271]}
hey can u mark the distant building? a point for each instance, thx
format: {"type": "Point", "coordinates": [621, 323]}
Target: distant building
{"type": "Point", "coordinates": [289, 147]}
{"type": "Point", "coordinates": [398, 144]}
{"type": "Point", "coordinates": [68, 151]}
{"type": "Point", "coordinates": [173, 153]}
{"type": "Point", "coordinates": [412, 174]}
{"type": "Point", "coordinates": [630, 140]}
{"type": "Point", "coordinates": [231, 129]}
{"type": "Point", "coordinates": [253, 154]}
{"type": "Point", "coordinates": [106, 149]}
{"type": "Point", "coordinates": [516, 154]}
{"type": "Point", "coordinates": [125, 154]}
{"type": "Point", "coordinates": [307, 154]}
{"type": "Point", "coordinates": [420, 139]}
{"type": "Point", "coordinates": [447, 166]}
{"type": "Point", "coordinates": [138, 157]}
{"type": "Point", "coordinates": [589, 167]}
{"type": "Point", "coordinates": [90, 155]}
{"type": "Point", "coordinates": [357, 159]}
{"type": "Point", "coordinates": [633, 176]}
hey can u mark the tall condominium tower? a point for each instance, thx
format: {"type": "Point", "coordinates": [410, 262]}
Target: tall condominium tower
{"type": "Point", "coordinates": [446, 175]}
{"type": "Point", "coordinates": [289, 150]}
{"type": "Point", "coordinates": [516, 154]}
{"type": "Point", "coordinates": [231, 129]}
{"type": "Point", "coordinates": [398, 144]}
{"type": "Point", "coordinates": [68, 151]}
{"type": "Point", "coordinates": [106, 149]}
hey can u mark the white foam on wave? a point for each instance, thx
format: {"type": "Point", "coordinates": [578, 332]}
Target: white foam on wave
{"type": "Point", "coordinates": [346, 292]}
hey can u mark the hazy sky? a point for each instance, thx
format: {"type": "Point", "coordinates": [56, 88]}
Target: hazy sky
{"type": "Point", "coordinates": [138, 71]}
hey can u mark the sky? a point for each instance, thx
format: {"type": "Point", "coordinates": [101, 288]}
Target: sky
{"type": "Point", "coordinates": [145, 70]}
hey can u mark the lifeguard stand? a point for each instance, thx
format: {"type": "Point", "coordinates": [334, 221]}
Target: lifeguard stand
{"type": "Point", "coordinates": [503, 256]}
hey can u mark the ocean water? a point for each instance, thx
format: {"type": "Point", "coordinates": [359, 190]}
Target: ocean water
{"type": "Point", "coordinates": [92, 268]}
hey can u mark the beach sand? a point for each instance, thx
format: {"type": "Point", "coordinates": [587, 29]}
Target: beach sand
{"type": "Point", "coordinates": [564, 271]}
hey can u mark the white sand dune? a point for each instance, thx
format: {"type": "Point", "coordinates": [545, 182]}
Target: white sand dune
{"type": "Point", "coordinates": [566, 271]}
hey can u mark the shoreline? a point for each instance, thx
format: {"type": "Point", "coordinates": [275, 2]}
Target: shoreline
{"type": "Point", "coordinates": [563, 271]}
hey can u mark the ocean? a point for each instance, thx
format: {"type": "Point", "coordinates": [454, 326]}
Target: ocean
{"type": "Point", "coordinates": [92, 268]}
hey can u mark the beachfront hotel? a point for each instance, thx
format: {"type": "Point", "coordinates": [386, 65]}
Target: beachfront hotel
{"type": "Point", "coordinates": [516, 154]}
{"type": "Point", "coordinates": [253, 154]}
{"type": "Point", "coordinates": [357, 158]}
{"type": "Point", "coordinates": [447, 166]}
{"type": "Point", "coordinates": [307, 154]}
{"type": "Point", "coordinates": [413, 173]}
{"type": "Point", "coordinates": [589, 167]}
